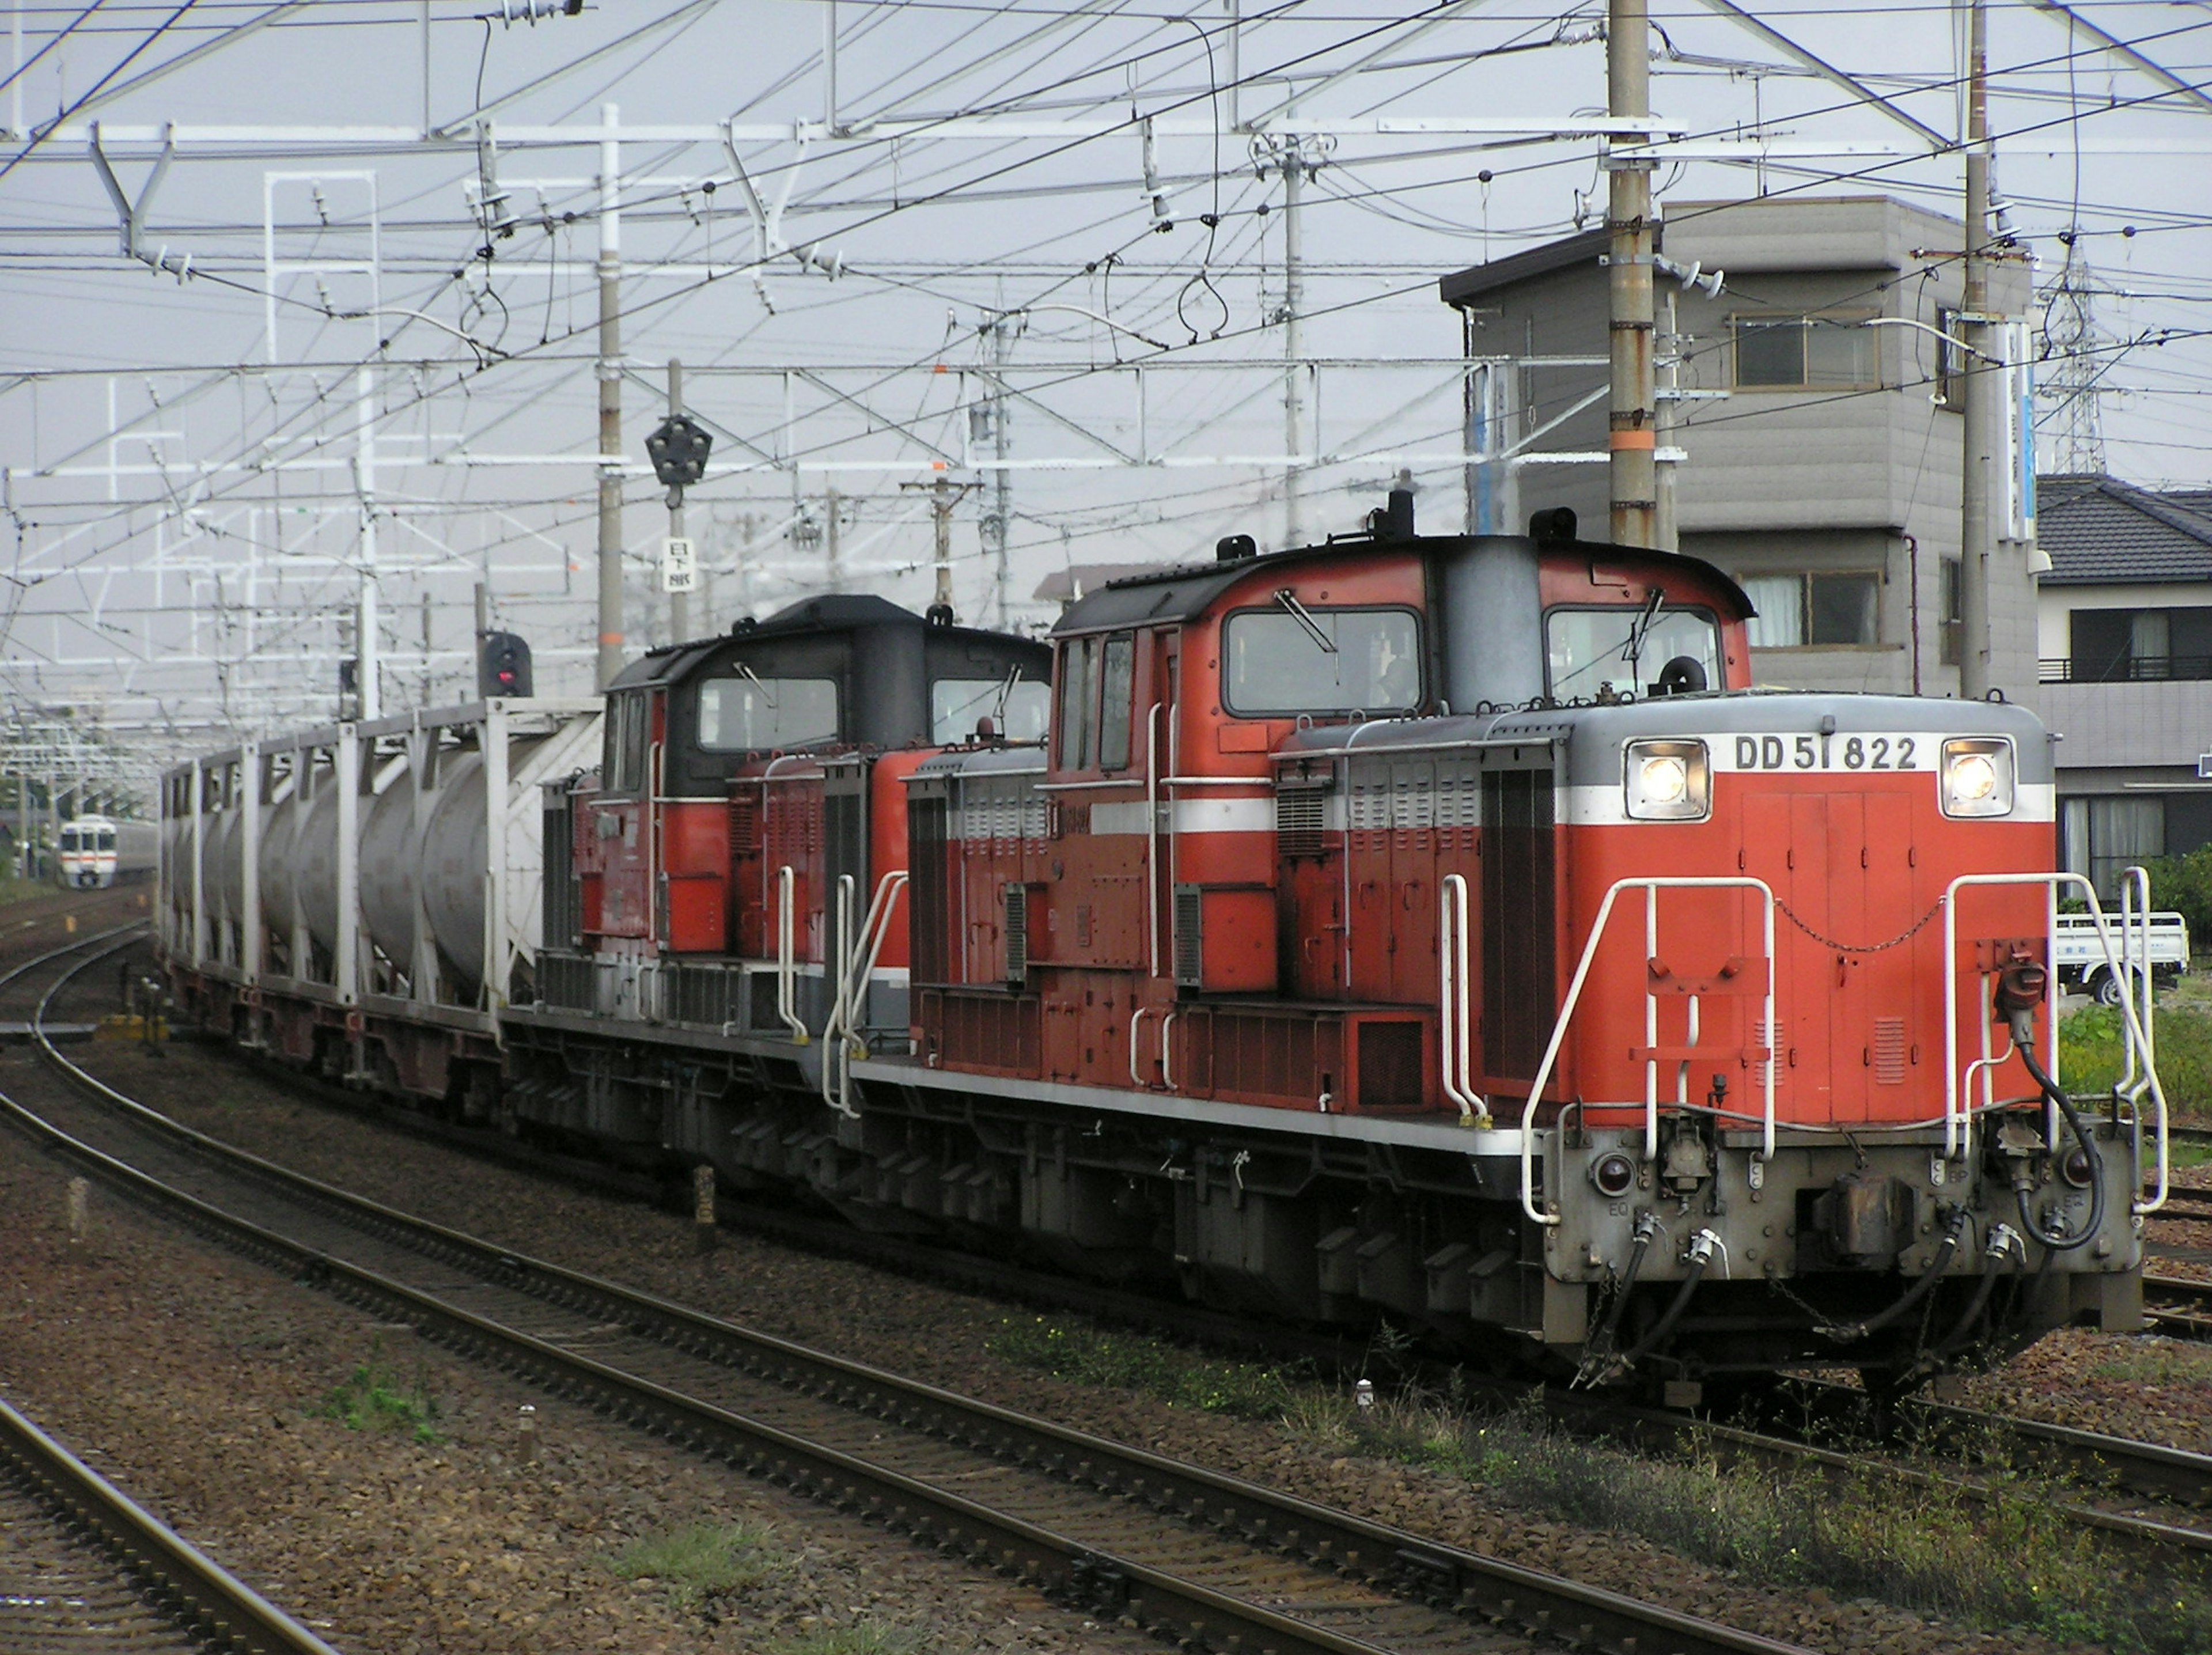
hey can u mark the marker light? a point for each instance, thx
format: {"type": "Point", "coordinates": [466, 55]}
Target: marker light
{"type": "Point", "coordinates": [1667, 780]}
{"type": "Point", "coordinates": [1978, 776]}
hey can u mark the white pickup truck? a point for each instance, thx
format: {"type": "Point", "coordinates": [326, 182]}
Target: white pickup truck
{"type": "Point", "coordinates": [2080, 955]}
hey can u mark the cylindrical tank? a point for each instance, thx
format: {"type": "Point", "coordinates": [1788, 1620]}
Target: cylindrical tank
{"type": "Point", "coordinates": [452, 865]}
{"type": "Point", "coordinates": [389, 868]}
{"type": "Point", "coordinates": [315, 868]}
{"type": "Point", "coordinates": [278, 895]}
{"type": "Point", "coordinates": [226, 876]}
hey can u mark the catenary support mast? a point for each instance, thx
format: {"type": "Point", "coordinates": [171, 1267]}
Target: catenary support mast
{"type": "Point", "coordinates": [1633, 423]}
{"type": "Point", "coordinates": [1974, 541]}
{"type": "Point", "coordinates": [609, 368]}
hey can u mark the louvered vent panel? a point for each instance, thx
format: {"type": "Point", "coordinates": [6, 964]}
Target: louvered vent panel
{"type": "Point", "coordinates": [1017, 935]}
{"type": "Point", "coordinates": [744, 812]}
{"type": "Point", "coordinates": [1299, 815]}
{"type": "Point", "coordinates": [1889, 1051]}
{"type": "Point", "coordinates": [1189, 943]}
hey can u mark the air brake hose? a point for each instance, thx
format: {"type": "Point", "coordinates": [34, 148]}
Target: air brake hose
{"type": "Point", "coordinates": [1912, 1295]}
{"type": "Point", "coordinates": [1646, 1227]}
{"type": "Point", "coordinates": [2002, 1245]}
{"type": "Point", "coordinates": [1701, 1253]}
{"type": "Point", "coordinates": [2062, 1244]}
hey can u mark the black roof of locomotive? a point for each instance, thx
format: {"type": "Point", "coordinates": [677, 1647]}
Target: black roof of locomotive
{"type": "Point", "coordinates": [1180, 592]}
{"type": "Point", "coordinates": [831, 611]}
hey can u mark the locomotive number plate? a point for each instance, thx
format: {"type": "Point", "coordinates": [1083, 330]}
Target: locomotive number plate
{"type": "Point", "coordinates": [1838, 751]}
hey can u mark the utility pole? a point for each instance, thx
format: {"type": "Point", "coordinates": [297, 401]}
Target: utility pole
{"type": "Point", "coordinates": [1665, 532]}
{"type": "Point", "coordinates": [830, 529]}
{"type": "Point", "coordinates": [1974, 541]}
{"type": "Point", "coordinates": [425, 702]}
{"type": "Point", "coordinates": [680, 603]}
{"type": "Point", "coordinates": [368, 695]}
{"type": "Point", "coordinates": [999, 523]}
{"type": "Point", "coordinates": [944, 495]}
{"type": "Point", "coordinates": [1632, 438]}
{"type": "Point", "coordinates": [1294, 399]}
{"type": "Point", "coordinates": [609, 367]}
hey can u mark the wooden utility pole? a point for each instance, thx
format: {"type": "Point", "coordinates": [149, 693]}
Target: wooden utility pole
{"type": "Point", "coordinates": [1633, 433]}
{"type": "Point", "coordinates": [1976, 440]}
{"type": "Point", "coordinates": [944, 495]}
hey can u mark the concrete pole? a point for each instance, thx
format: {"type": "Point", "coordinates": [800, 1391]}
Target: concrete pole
{"type": "Point", "coordinates": [1002, 485]}
{"type": "Point", "coordinates": [1974, 539]}
{"type": "Point", "coordinates": [1632, 422]}
{"type": "Point", "coordinates": [830, 541]}
{"type": "Point", "coordinates": [368, 668]}
{"type": "Point", "coordinates": [1294, 398]}
{"type": "Point", "coordinates": [680, 603]}
{"type": "Point", "coordinates": [610, 481]}
{"type": "Point", "coordinates": [1666, 531]}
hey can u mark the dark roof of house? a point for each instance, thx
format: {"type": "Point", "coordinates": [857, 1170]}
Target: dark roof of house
{"type": "Point", "coordinates": [2099, 531]}
{"type": "Point", "coordinates": [1460, 286]}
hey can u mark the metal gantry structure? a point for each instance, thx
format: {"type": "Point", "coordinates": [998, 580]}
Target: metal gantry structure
{"type": "Point", "coordinates": [235, 530]}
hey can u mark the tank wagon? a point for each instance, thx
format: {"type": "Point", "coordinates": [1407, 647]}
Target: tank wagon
{"type": "Point", "coordinates": [1439, 929]}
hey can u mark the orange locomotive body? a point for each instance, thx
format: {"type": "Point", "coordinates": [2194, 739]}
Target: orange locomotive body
{"type": "Point", "coordinates": [1443, 929]}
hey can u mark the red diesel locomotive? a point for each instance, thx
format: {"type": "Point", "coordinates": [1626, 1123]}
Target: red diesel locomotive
{"type": "Point", "coordinates": [1435, 928]}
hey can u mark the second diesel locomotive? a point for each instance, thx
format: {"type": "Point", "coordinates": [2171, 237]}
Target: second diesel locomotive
{"type": "Point", "coordinates": [1437, 928]}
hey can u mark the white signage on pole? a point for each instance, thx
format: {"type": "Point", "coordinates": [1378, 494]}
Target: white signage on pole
{"type": "Point", "coordinates": [680, 567]}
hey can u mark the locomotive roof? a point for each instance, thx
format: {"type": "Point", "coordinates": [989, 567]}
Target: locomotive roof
{"type": "Point", "coordinates": [829, 613]}
{"type": "Point", "coordinates": [1184, 591]}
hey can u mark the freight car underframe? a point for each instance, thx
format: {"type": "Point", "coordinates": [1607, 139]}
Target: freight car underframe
{"type": "Point", "coordinates": [1343, 1219]}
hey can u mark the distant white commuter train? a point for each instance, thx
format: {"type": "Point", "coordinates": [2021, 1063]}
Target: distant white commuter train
{"type": "Point", "coordinates": [95, 852]}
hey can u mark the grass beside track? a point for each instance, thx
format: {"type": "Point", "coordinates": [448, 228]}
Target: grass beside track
{"type": "Point", "coordinates": [2010, 1562]}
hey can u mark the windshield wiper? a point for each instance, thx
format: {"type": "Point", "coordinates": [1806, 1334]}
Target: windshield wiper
{"type": "Point", "coordinates": [1285, 597]}
{"type": "Point", "coordinates": [1640, 629]}
{"type": "Point", "coordinates": [765, 695]}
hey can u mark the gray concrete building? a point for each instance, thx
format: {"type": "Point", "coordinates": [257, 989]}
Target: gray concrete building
{"type": "Point", "coordinates": [2126, 663]}
{"type": "Point", "coordinates": [1818, 425]}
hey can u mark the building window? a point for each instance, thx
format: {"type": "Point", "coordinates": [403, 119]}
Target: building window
{"type": "Point", "coordinates": [2105, 836]}
{"type": "Point", "coordinates": [1804, 353]}
{"type": "Point", "coordinates": [2127, 646]}
{"type": "Point", "coordinates": [1826, 608]}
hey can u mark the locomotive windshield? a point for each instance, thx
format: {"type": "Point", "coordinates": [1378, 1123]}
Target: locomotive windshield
{"type": "Point", "coordinates": [1643, 651]}
{"type": "Point", "coordinates": [1018, 707]}
{"type": "Point", "coordinates": [749, 714]}
{"type": "Point", "coordinates": [1298, 659]}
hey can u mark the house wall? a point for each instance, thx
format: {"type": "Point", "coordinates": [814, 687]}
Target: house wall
{"type": "Point", "coordinates": [1791, 479]}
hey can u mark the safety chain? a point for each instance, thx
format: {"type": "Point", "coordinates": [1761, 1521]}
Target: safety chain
{"type": "Point", "coordinates": [1904, 936]}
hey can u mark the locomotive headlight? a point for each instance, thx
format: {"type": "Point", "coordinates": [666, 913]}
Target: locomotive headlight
{"type": "Point", "coordinates": [1978, 776]}
{"type": "Point", "coordinates": [1667, 780]}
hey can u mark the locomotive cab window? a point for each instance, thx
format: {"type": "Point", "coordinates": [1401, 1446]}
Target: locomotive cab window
{"type": "Point", "coordinates": [1017, 706]}
{"type": "Point", "coordinates": [1648, 649]}
{"type": "Point", "coordinates": [751, 715]}
{"type": "Point", "coordinates": [628, 721]}
{"type": "Point", "coordinates": [1097, 677]}
{"type": "Point", "coordinates": [1296, 658]}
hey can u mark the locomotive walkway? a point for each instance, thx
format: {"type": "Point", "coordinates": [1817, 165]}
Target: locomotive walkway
{"type": "Point", "coordinates": [1191, 1554]}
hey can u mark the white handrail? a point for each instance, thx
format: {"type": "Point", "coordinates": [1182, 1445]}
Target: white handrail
{"type": "Point", "coordinates": [1152, 854]}
{"type": "Point", "coordinates": [1957, 1117]}
{"type": "Point", "coordinates": [841, 1033]}
{"type": "Point", "coordinates": [1136, 1022]}
{"type": "Point", "coordinates": [1654, 885]}
{"type": "Point", "coordinates": [1167, 1060]}
{"type": "Point", "coordinates": [786, 967]}
{"type": "Point", "coordinates": [1453, 1017]}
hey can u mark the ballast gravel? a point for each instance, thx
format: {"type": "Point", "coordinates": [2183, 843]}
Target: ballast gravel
{"type": "Point", "coordinates": [931, 1333]}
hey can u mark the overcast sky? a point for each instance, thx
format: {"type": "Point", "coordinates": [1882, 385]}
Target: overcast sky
{"type": "Point", "coordinates": [206, 580]}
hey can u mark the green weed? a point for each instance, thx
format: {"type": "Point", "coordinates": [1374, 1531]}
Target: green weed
{"type": "Point", "coordinates": [702, 1562]}
{"type": "Point", "coordinates": [375, 1398]}
{"type": "Point", "coordinates": [1864, 1534]}
{"type": "Point", "coordinates": [2090, 1057]}
{"type": "Point", "coordinates": [867, 1637]}
{"type": "Point", "coordinates": [1247, 1390]}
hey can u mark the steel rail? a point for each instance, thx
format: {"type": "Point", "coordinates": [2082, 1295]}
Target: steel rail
{"type": "Point", "coordinates": [212, 1604]}
{"type": "Point", "coordinates": [1480, 1589]}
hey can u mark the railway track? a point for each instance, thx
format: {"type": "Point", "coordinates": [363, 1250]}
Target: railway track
{"type": "Point", "coordinates": [2177, 1305]}
{"type": "Point", "coordinates": [83, 1567]}
{"type": "Point", "coordinates": [2119, 1468]}
{"type": "Point", "coordinates": [1197, 1557]}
